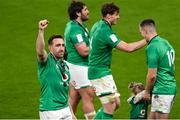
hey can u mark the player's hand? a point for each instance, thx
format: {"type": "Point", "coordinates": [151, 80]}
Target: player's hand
{"type": "Point", "coordinates": [43, 24]}
{"type": "Point", "coordinates": [146, 96]}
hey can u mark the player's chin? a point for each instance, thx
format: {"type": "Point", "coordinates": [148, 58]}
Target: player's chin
{"type": "Point", "coordinates": [60, 55]}
{"type": "Point", "coordinates": [114, 23]}
{"type": "Point", "coordinates": [85, 18]}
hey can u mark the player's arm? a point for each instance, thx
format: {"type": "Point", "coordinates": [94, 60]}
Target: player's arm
{"type": "Point", "coordinates": [130, 99]}
{"type": "Point", "coordinates": [82, 49]}
{"type": "Point", "coordinates": [40, 44]}
{"type": "Point", "coordinates": [139, 97]}
{"type": "Point", "coordinates": [130, 47]}
{"type": "Point", "coordinates": [150, 80]}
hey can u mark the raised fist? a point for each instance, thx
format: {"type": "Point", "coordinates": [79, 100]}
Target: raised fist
{"type": "Point", "coordinates": [43, 24]}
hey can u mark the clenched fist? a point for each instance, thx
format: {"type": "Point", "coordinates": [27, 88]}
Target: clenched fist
{"type": "Point", "coordinates": [43, 24]}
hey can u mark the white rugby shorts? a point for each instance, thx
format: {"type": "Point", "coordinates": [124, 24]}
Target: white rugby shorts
{"type": "Point", "coordinates": [104, 85]}
{"type": "Point", "coordinates": [162, 103]}
{"type": "Point", "coordinates": [62, 114]}
{"type": "Point", "coordinates": [79, 76]}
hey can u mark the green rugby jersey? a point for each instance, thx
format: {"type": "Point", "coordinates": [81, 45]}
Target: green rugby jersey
{"type": "Point", "coordinates": [103, 40]}
{"type": "Point", "coordinates": [54, 89]}
{"type": "Point", "coordinates": [76, 33]}
{"type": "Point", "coordinates": [161, 55]}
{"type": "Point", "coordinates": [138, 110]}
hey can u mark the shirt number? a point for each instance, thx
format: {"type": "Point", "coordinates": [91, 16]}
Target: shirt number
{"type": "Point", "coordinates": [171, 57]}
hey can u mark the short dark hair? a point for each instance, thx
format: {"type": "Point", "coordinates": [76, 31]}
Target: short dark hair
{"type": "Point", "coordinates": [50, 41]}
{"type": "Point", "coordinates": [75, 7]}
{"type": "Point", "coordinates": [147, 22]}
{"type": "Point", "coordinates": [109, 8]}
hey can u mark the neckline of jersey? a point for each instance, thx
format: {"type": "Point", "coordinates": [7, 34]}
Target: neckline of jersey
{"type": "Point", "coordinates": [106, 22]}
{"type": "Point", "coordinates": [81, 27]}
{"type": "Point", "coordinates": [153, 39]}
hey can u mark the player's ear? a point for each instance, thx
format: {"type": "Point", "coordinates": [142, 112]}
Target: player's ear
{"type": "Point", "coordinates": [145, 29]}
{"type": "Point", "coordinates": [78, 14]}
{"type": "Point", "coordinates": [108, 16]}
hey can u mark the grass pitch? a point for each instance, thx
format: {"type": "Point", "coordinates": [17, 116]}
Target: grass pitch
{"type": "Point", "coordinates": [19, 87]}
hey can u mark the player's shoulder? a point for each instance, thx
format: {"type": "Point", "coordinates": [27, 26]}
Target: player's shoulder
{"type": "Point", "coordinates": [153, 43]}
{"type": "Point", "coordinates": [151, 47]}
{"type": "Point", "coordinates": [72, 24]}
{"type": "Point", "coordinates": [101, 27]}
{"type": "Point", "coordinates": [76, 28]}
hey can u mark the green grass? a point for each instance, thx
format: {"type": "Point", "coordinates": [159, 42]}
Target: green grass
{"type": "Point", "coordinates": [19, 87]}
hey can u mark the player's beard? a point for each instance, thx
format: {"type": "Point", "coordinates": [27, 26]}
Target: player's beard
{"type": "Point", "coordinates": [84, 18]}
{"type": "Point", "coordinates": [114, 22]}
{"type": "Point", "coordinates": [58, 55]}
{"type": "Point", "coordinates": [61, 54]}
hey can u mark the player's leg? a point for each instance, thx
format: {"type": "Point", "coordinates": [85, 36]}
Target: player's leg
{"type": "Point", "coordinates": [107, 92]}
{"type": "Point", "coordinates": [163, 116]}
{"type": "Point", "coordinates": [83, 85]}
{"type": "Point", "coordinates": [152, 115]}
{"type": "Point", "coordinates": [118, 102]}
{"type": "Point", "coordinates": [87, 95]}
{"type": "Point", "coordinates": [110, 104]}
{"type": "Point", "coordinates": [74, 98]}
{"type": "Point", "coordinates": [157, 115]}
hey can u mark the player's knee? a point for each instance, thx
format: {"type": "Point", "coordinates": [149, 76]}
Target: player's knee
{"type": "Point", "coordinates": [90, 92]}
{"type": "Point", "coordinates": [115, 105]}
{"type": "Point", "coordinates": [87, 94]}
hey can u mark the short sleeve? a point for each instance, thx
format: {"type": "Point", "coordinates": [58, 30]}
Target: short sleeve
{"type": "Point", "coordinates": [77, 36]}
{"type": "Point", "coordinates": [152, 57]}
{"type": "Point", "coordinates": [113, 40]}
{"type": "Point", "coordinates": [42, 65]}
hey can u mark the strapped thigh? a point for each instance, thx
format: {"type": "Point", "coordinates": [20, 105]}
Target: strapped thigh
{"type": "Point", "coordinates": [109, 98]}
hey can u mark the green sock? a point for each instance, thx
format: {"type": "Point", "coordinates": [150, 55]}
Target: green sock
{"type": "Point", "coordinates": [99, 114]}
{"type": "Point", "coordinates": [107, 116]}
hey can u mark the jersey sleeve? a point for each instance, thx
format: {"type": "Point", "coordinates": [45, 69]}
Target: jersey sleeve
{"type": "Point", "coordinates": [43, 64]}
{"type": "Point", "coordinates": [77, 36]}
{"type": "Point", "coordinates": [152, 57]}
{"type": "Point", "coordinates": [113, 40]}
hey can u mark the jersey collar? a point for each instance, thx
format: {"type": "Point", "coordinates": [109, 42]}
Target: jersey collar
{"type": "Point", "coordinates": [153, 39]}
{"type": "Point", "coordinates": [82, 27]}
{"type": "Point", "coordinates": [106, 22]}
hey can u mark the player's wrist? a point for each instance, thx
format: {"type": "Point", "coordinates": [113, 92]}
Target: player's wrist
{"type": "Point", "coordinates": [41, 30]}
